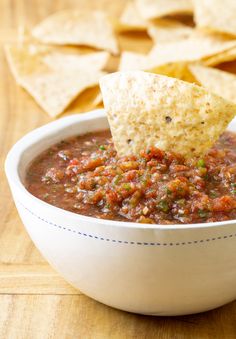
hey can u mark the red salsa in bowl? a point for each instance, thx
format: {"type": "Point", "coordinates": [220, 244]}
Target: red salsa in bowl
{"type": "Point", "coordinates": [84, 175]}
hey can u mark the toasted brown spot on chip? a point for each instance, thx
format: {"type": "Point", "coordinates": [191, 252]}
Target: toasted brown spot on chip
{"type": "Point", "coordinates": [168, 119]}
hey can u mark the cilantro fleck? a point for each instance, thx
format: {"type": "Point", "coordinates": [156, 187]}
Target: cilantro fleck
{"type": "Point", "coordinates": [203, 213]}
{"type": "Point", "coordinates": [181, 202]}
{"type": "Point", "coordinates": [117, 179]}
{"type": "Point", "coordinates": [213, 194]}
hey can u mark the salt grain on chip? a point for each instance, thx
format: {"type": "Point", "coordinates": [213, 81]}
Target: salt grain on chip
{"type": "Point", "coordinates": [146, 109]}
{"type": "Point", "coordinates": [72, 27]}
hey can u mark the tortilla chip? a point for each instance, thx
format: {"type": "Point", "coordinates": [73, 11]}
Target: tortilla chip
{"type": "Point", "coordinates": [71, 27]}
{"type": "Point", "coordinates": [66, 62]}
{"type": "Point", "coordinates": [86, 101]}
{"type": "Point", "coordinates": [146, 109]}
{"type": "Point", "coordinates": [131, 19]}
{"type": "Point", "coordinates": [51, 89]}
{"type": "Point", "coordinates": [25, 59]}
{"type": "Point", "coordinates": [216, 15]}
{"type": "Point", "coordinates": [219, 82]}
{"type": "Point", "coordinates": [165, 31]}
{"type": "Point", "coordinates": [135, 61]}
{"type": "Point", "coordinates": [219, 58]}
{"type": "Point", "coordinates": [197, 47]}
{"type": "Point", "coordinates": [151, 9]}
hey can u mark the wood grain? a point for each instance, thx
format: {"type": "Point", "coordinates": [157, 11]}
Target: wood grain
{"type": "Point", "coordinates": [34, 301]}
{"type": "Point", "coordinates": [32, 279]}
{"type": "Point", "coordinates": [54, 316]}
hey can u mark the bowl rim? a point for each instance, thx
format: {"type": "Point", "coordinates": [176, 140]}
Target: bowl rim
{"type": "Point", "coordinates": [15, 153]}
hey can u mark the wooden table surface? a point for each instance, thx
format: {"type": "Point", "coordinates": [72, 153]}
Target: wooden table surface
{"type": "Point", "coordinates": [35, 302]}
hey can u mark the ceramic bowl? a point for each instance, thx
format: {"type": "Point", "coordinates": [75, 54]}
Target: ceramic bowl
{"type": "Point", "coordinates": [148, 269]}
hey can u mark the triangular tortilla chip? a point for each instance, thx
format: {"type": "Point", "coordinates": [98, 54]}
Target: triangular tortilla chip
{"type": "Point", "coordinates": [137, 61]}
{"type": "Point", "coordinates": [55, 91]}
{"type": "Point", "coordinates": [165, 30]}
{"type": "Point", "coordinates": [52, 90]}
{"type": "Point", "coordinates": [71, 27]}
{"type": "Point", "coordinates": [216, 15]}
{"type": "Point", "coordinates": [151, 9]}
{"type": "Point", "coordinates": [197, 47]}
{"type": "Point", "coordinates": [219, 82]}
{"type": "Point", "coordinates": [146, 109]}
{"type": "Point", "coordinates": [131, 18]}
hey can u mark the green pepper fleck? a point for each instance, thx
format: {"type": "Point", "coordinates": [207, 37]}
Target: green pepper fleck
{"type": "Point", "coordinates": [117, 179]}
{"type": "Point", "coordinates": [168, 191]}
{"type": "Point", "coordinates": [201, 163]}
{"type": "Point", "coordinates": [127, 186]}
{"type": "Point", "coordinates": [213, 194]}
{"type": "Point", "coordinates": [163, 206]}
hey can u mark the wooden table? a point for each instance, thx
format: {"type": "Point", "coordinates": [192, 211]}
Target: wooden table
{"type": "Point", "coordinates": [35, 302]}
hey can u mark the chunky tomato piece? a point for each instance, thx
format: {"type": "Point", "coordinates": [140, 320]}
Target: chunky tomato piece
{"type": "Point", "coordinates": [85, 175]}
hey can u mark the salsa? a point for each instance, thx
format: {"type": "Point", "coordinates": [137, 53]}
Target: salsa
{"type": "Point", "coordinates": [84, 175]}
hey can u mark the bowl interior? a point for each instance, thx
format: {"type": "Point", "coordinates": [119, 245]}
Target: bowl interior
{"type": "Point", "coordinates": [35, 142]}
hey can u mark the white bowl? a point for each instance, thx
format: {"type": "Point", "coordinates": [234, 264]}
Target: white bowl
{"type": "Point", "coordinates": [148, 269]}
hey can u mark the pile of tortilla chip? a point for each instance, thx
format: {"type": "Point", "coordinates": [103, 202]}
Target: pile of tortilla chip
{"type": "Point", "coordinates": [60, 63]}
{"type": "Point", "coordinates": [53, 66]}
{"type": "Point", "coordinates": [189, 38]}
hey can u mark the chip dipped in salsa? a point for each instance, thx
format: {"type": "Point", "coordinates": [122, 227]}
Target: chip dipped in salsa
{"type": "Point", "coordinates": [85, 175]}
